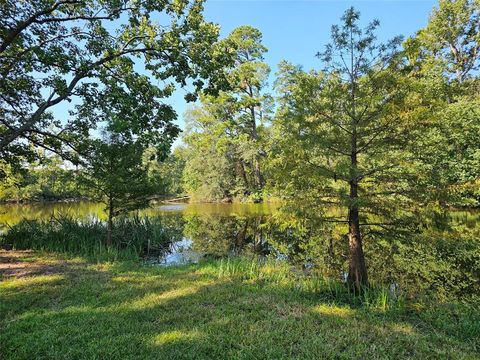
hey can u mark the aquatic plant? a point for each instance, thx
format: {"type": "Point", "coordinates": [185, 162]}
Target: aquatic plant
{"type": "Point", "coordinates": [132, 238]}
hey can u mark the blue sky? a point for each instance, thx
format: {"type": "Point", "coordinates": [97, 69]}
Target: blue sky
{"type": "Point", "coordinates": [297, 30]}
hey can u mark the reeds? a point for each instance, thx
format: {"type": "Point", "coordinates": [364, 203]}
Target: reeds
{"type": "Point", "coordinates": [132, 237]}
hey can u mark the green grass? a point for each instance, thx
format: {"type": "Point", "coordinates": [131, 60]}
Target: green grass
{"type": "Point", "coordinates": [132, 237]}
{"type": "Point", "coordinates": [230, 309]}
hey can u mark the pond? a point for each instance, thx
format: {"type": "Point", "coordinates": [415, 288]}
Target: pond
{"type": "Point", "coordinates": [196, 229]}
{"type": "Point", "coordinates": [443, 258]}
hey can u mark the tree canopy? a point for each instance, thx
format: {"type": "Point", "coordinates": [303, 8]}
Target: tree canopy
{"type": "Point", "coordinates": [60, 51]}
{"type": "Point", "coordinates": [229, 128]}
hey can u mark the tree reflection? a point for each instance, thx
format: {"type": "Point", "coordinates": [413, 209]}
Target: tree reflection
{"type": "Point", "coordinates": [227, 235]}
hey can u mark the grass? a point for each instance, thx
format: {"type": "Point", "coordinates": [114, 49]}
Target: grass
{"type": "Point", "coordinates": [52, 308]}
{"type": "Point", "coordinates": [132, 237]}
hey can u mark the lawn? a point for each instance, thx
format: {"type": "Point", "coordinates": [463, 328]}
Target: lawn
{"type": "Point", "coordinates": [63, 308]}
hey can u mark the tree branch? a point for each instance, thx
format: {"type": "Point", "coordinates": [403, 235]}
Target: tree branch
{"type": "Point", "coordinates": [13, 33]}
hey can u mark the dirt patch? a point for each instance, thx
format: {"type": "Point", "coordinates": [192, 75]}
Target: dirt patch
{"type": "Point", "coordinates": [15, 263]}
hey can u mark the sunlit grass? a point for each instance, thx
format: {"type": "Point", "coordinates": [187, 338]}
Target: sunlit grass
{"type": "Point", "coordinates": [175, 336]}
{"type": "Point", "coordinates": [230, 309]}
{"type": "Point", "coordinates": [339, 311]}
{"type": "Point", "coordinates": [39, 280]}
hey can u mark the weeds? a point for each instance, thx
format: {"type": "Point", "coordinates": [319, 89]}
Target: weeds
{"type": "Point", "coordinates": [132, 237]}
{"type": "Point", "coordinates": [280, 273]}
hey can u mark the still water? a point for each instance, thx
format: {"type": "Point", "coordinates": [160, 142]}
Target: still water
{"type": "Point", "coordinates": [196, 229]}
{"type": "Point", "coordinates": [10, 214]}
{"type": "Point", "coordinates": [442, 256]}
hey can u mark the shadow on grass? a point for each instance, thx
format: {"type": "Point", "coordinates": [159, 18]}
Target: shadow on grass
{"type": "Point", "coordinates": [128, 311]}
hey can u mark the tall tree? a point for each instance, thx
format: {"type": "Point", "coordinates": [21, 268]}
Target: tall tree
{"type": "Point", "coordinates": [228, 129]}
{"type": "Point", "coordinates": [211, 151]}
{"type": "Point", "coordinates": [57, 51]}
{"type": "Point", "coordinates": [451, 40]}
{"type": "Point", "coordinates": [444, 59]}
{"type": "Point", "coordinates": [248, 80]}
{"type": "Point", "coordinates": [338, 135]}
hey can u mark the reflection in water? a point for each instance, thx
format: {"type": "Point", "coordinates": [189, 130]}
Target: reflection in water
{"type": "Point", "coordinates": [214, 237]}
{"type": "Point", "coordinates": [442, 256]}
{"type": "Point", "coordinates": [215, 230]}
{"type": "Point", "coordinates": [11, 214]}
{"type": "Point", "coordinates": [227, 235]}
{"type": "Point", "coordinates": [179, 253]}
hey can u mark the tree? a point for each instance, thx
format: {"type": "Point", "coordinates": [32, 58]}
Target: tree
{"type": "Point", "coordinates": [116, 175]}
{"type": "Point", "coordinates": [443, 58]}
{"type": "Point", "coordinates": [47, 179]}
{"type": "Point", "coordinates": [228, 129]}
{"type": "Point", "coordinates": [339, 135]}
{"type": "Point", "coordinates": [248, 80]}
{"type": "Point", "coordinates": [58, 51]}
{"type": "Point", "coordinates": [133, 120]}
{"type": "Point", "coordinates": [213, 156]}
{"type": "Point", "coordinates": [167, 174]}
{"type": "Point", "coordinates": [450, 41]}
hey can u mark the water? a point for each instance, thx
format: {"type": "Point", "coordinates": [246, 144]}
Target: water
{"type": "Point", "coordinates": [203, 229]}
{"type": "Point", "coordinates": [443, 256]}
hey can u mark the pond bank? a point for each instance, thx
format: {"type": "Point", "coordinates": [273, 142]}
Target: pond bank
{"type": "Point", "coordinates": [71, 309]}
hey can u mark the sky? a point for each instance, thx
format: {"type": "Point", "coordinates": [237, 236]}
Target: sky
{"type": "Point", "coordinates": [295, 30]}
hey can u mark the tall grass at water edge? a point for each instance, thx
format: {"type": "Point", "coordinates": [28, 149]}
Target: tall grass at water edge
{"type": "Point", "coordinates": [132, 237]}
{"type": "Point", "coordinates": [280, 274]}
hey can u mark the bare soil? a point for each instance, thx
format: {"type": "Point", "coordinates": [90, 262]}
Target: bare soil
{"type": "Point", "coordinates": [23, 263]}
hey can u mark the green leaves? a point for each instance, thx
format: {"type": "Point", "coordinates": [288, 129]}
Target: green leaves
{"type": "Point", "coordinates": [451, 41]}
{"type": "Point", "coordinates": [52, 51]}
{"type": "Point", "coordinates": [339, 137]}
{"type": "Point", "coordinates": [116, 174]}
{"type": "Point", "coordinates": [225, 134]}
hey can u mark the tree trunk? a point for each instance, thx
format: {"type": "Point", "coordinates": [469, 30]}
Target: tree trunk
{"type": "Point", "coordinates": [259, 182]}
{"type": "Point", "coordinates": [110, 222]}
{"type": "Point", "coordinates": [240, 170]}
{"type": "Point", "coordinates": [357, 271]}
{"type": "Point", "coordinates": [258, 174]}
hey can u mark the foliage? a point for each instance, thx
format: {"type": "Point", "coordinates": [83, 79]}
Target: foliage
{"type": "Point", "coordinates": [166, 175]}
{"type": "Point", "coordinates": [443, 59]}
{"type": "Point", "coordinates": [450, 156]}
{"type": "Point", "coordinates": [441, 264]}
{"type": "Point", "coordinates": [117, 176]}
{"type": "Point", "coordinates": [132, 237]}
{"type": "Point", "coordinates": [450, 43]}
{"type": "Point", "coordinates": [367, 153]}
{"type": "Point", "coordinates": [210, 167]}
{"type": "Point", "coordinates": [56, 51]}
{"type": "Point", "coordinates": [339, 135]}
{"type": "Point", "coordinates": [225, 134]}
{"type": "Point", "coordinates": [47, 180]}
